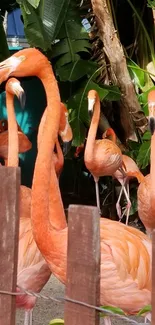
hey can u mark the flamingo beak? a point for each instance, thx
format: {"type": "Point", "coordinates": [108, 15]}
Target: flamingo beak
{"type": "Point", "coordinates": [19, 91]}
{"type": "Point", "coordinates": [9, 65]}
{"type": "Point", "coordinates": [91, 103]}
{"type": "Point", "coordinates": [22, 99]}
{"type": "Point", "coordinates": [66, 147]}
{"type": "Point", "coordinates": [151, 119]}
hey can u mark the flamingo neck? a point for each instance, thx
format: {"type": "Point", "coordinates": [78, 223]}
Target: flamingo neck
{"type": "Point", "coordinates": [88, 156]}
{"type": "Point", "coordinates": [60, 157]}
{"type": "Point", "coordinates": [13, 144]}
{"type": "Point", "coordinates": [47, 212]}
{"type": "Point", "coordinates": [152, 171]}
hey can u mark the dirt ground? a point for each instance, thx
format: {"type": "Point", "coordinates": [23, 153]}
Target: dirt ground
{"type": "Point", "coordinates": [47, 310]}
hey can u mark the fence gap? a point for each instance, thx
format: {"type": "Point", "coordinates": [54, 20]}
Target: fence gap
{"type": "Point", "coordinates": [83, 265]}
{"type": "Point", "coordinates": [9, 230]}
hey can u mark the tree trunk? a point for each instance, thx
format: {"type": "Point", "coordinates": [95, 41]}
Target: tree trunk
{"type": "Point", "coordinates": [131, 114]}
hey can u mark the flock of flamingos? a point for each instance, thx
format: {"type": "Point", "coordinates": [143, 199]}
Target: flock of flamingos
{"type": "Point", "coordinates": [125, 251]}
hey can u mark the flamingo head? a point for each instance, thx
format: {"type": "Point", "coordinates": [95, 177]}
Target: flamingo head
{"type": "Point", "coordinates": [151, 107]}
{"type": "Point", "coordinates": [9, 66]}
{"type": "Point", "coordinates": [107, 133]}
{"type": "Point", "coordinates": [24, 63]}
{"type": "Point", "coordinates": [92, 96]}
{"type": "Point", "coordinates": [65, 130]}
{"type": "Point", "coordinates": [13, 87]}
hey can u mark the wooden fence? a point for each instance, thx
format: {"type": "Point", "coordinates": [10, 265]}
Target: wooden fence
{"type": "Point", "coordinates": [83, 264]}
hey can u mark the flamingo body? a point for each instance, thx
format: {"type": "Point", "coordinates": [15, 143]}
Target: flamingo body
{"type": "Point", "coordinates": [107, 158]}
{"type": "Point", "coordinates": [144, 211]}
{"type": "Point", "coordinates": [131, 170]}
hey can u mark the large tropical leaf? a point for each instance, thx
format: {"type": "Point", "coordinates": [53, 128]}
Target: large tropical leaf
{"type": "Point", "coordinates": [76, 70]}
{"type": "Point", "coordinates": [53, 16]}
{"type": "Point", "coordinates": [73, 38]}
{"type": "Point", "coordinates": [33, 25]}
{"type": "Point", "coordinates": [42, 20]}
{"type": "Point", "coordinates": [143, 157]}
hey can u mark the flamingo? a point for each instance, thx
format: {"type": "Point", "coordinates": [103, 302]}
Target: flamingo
{"type": "Point", "coordinates": [33, 271]}
{"type": "Point", "coordinates": [146, 189]}
{"type": "Point", "coordinates": [125, 251]}
{"type": "Point", "coordinates": [101, 157]}
{"type": "Point", "coordinates": [131, 171]}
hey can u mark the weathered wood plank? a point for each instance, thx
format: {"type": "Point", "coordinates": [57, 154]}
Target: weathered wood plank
{"type": "Point", "coordinates": [153, 278]}
{"type": "Point", "coordinates": [9, 229]}
{"type": "Point", "coordinates": [83, 265]}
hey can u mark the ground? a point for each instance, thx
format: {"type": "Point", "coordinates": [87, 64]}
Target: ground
{"type": "Point", "coordinates": [46, 310]}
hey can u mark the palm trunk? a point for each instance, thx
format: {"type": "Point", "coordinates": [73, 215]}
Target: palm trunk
{"type": "Point", "coordinates": [129, 106]}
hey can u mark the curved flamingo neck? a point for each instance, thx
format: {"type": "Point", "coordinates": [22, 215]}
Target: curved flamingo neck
{"type": "Point", "coordinates": [47, 212]}
{"type": "Point", "coordinates": [60, 157]}
{"type": "Point", "coordinates": [13, 143]}
{"type": "Point", "coordinates": [92, 131]}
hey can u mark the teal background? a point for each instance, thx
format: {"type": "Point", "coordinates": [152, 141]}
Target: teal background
{"type": "Point", "coordinates": [28, 119]}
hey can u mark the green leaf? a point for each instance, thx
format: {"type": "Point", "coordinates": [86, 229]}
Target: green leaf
{"type": "Point", "coordinates": [34, 3]}
{"type": "Point", "coordinates": [78, 129]}
{"type": "Point", "coordinates": [114, 93]}
{"type": "Point", "coordinates": [147, 135]}
{"type": "Point", "coordinates": [72, 37]}
{"type": "Point", "coordinates": [78, 69]}
{"type": "Point", "coordinates": [33, 27]}
{"type": "Point", "coordinates": [53, 16]}
{"type": "Point", "coordinates": [56, 321]}
{"type": "Point", "coordinates": [143, 100]}
{"type": "Point", "coordinates": [115, 310]}
{"type": "Point", "coordinates": [136, 73]}
{"type": "Point", "coordinates": [143, 158]}
{"type": "Point", "coordinates": [144, 310]}
{"type": "Point", "coordinates": [134, 149]}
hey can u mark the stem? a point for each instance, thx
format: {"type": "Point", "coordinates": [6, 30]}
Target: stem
{"type": "Point", "coordinates": [145, 31]}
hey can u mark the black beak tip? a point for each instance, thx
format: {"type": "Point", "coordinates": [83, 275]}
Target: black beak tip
{"type": "Point", "coordinates": [152, 125]}
{"type": "Point", "coordinates": [22, 99]}
{"type": "Point", "coordinates": [66, 147]}
{"type": "Point", "coordinates": [90, 113]}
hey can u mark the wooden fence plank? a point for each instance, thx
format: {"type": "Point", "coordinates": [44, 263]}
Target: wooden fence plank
{"type": "Point", "coordinates": [153, 278]}
{"type": "Point", "coordinates": [9, 229]}
{"type": "Point", "coordinates": [83, 265]}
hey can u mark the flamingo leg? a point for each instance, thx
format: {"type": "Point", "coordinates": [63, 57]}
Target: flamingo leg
{"type": "Point", "coordinates": [128, 204]}
{"type": "Point", "coordinates": [96, 179]}
{"type": "Point", "coordinates": [31, 314]}
{"type": "Point", "coordinates": [118, 207]}
{"type": "Point", "coordinates": [28, 317]}
{"type": "Point", "coordinates": [107, 320]}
